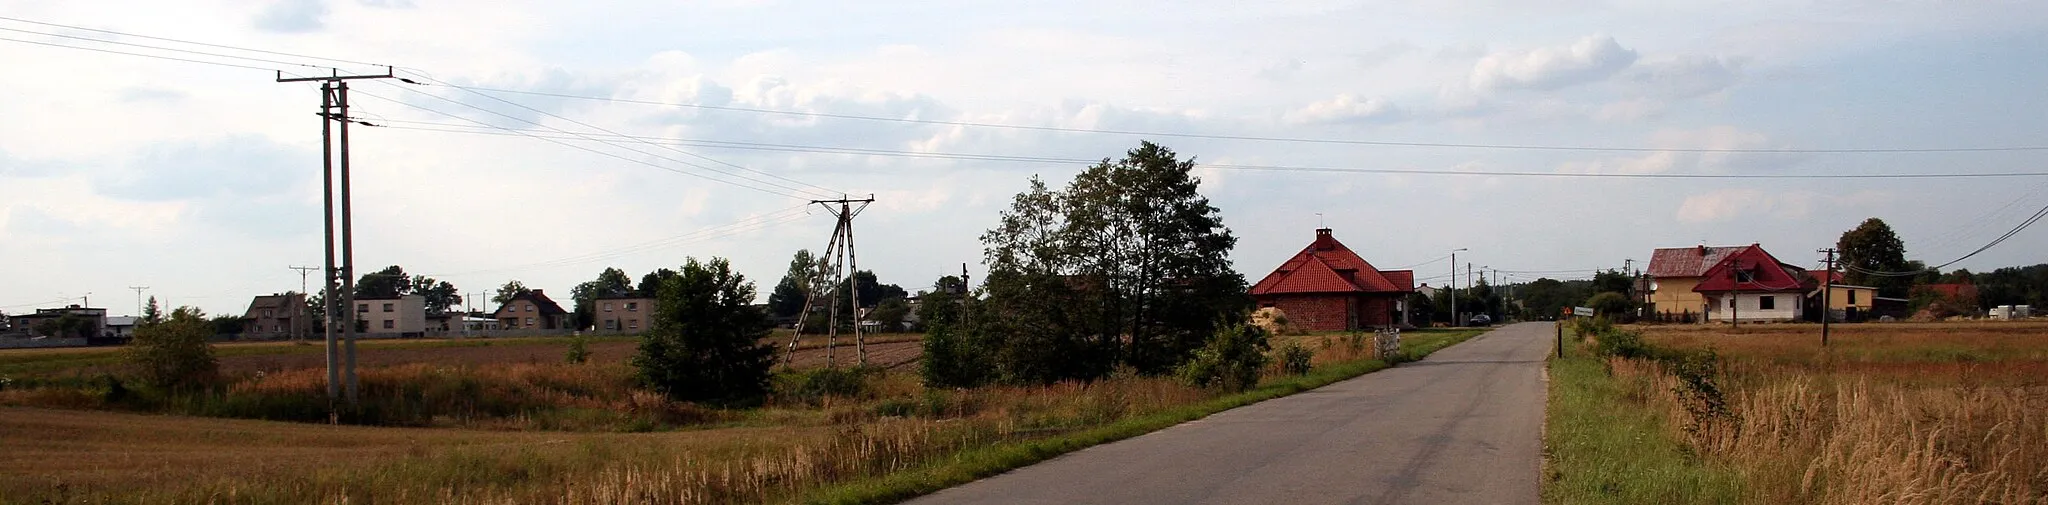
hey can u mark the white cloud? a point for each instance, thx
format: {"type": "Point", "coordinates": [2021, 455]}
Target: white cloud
{"type": "Point", "coordinates": [1589, 59]}
{"type": "Point", "coordinates": [1347, 109]}
{"type": "Point", "coordinates": [293, 16]}
{"type": "Point", "coordinates": [1686, 76]}
{"type": "Point", "coordinates": [1730, 204]}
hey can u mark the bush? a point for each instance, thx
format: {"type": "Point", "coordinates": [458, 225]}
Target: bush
{"type": "Point", "coordinates": [1294, 359]}
{"type": "Point", "coordinates": [1625, 344]}
{"type": "Point", "coordinates": [705, 344]}
{"type": "Point", "coordinates": [811, 387]}
{"type": "Point", "coordinates": [1231, 359]}
{"type": "Point", "coordinates": [951, 361]}
{"type": "Point", "coordinates": [173, 354]}
{"type": "Point", "coordinates": [1610, 304]}
{"type": "Point", "coordinates": [579, 350]}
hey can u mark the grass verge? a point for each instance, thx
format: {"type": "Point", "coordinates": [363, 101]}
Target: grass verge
{"type": "Point", "coordinates": [977, 463]}
{"type": "Point", "coordinates": [1604, 444]}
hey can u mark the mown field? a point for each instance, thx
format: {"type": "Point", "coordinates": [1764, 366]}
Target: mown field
{"type": "Point", "coordinates": [583, 434]}
{"type": "Point", "coordinates": [1886, 413]}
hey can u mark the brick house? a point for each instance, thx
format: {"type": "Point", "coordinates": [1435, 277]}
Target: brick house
{"type": "Point", "coordinates": [1327, 287]}
{"type": "Point", "coordinates": [532, 310]}
{"type": "Point", "coordinates": [623, 314]}
{"type": "Point", "coordinates": [277, 315]}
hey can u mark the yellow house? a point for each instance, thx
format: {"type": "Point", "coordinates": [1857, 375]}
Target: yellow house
{"type": "Point", "coordinates": [1845, 302]}
{"type": "Point", "coordinates": [1673, 273]}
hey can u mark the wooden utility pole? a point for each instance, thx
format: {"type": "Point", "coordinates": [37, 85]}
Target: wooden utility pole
{"type": "Point", "coordinates": [334, 110]}
{"type": "Point", "coordinates": [840, 263]}
{"type": "Point", "coordinates": [1827, 290]}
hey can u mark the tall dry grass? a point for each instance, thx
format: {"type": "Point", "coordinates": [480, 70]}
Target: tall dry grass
{"type": "Point", "coordinates": [1891, 418]}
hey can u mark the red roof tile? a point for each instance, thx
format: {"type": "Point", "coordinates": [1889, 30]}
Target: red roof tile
{"type": "Point", "coordinates": [1766, 274]}
{"type": "Point", "coordinates": [1327, 266]}
{"type": "Point", "coordinates": [1687, 261]}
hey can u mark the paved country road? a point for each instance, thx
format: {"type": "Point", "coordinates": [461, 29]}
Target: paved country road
{"type": "Point", "coordinates": [1463, 426]}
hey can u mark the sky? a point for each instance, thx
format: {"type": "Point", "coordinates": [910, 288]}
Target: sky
{"type": "Point", "coordinates": [202, 182]}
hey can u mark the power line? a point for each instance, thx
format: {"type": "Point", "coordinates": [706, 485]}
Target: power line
{"type": "Point", "coordinates": [827, 191]}
{"type": "Point", "coordinates": [744, 225]}
{"type": "Point", "coordinates": [724, 144]}
{"type": "Point", "coordinates": [220, 46]}
{"type": "Point", "coordinates": [574, 146]}
{"type": "Point", "coordinates": [1382, 143]}
{"type": "Point", "coordinates": [157, 56]}
{"type": "Point", "coordinates": [160, 48]}
{"type": "Point", "coordinates": [1937, 268]}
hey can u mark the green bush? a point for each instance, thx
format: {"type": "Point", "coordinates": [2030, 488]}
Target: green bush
{"type": "Point", "coordinates": [1294, 359]}
{"type": "Point", "coordinates": [1230, 360]}
{"type": "Point", "coordinates": [579, 350]}
{"type": "Point", "coordinates": [811, 387]}
{"type": "Point", "coordinates": [173, 354]}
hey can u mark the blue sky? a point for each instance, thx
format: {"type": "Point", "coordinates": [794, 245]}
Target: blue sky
{"type": "Point", "coordinates": [201, 181]}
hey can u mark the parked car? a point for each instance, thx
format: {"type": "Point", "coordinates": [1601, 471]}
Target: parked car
{"type": "Point", "coordinates": [1480, 320]}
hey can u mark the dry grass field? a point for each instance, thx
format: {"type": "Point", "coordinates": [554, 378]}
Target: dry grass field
{"type": "Point", "coordinates": [1930, 413]}
{"type": "Point", "coordinates": [550, 432]}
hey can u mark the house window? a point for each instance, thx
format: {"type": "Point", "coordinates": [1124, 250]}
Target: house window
{"type": "Point", "coordinates": [633, 324]}
{"type": "Point", "coordinates": [632, 306]}
{"type": "Point", "coordinates": [266, 313]}
{"type": "Point", "coordinates": [1852, 297]}
{"type": "Point", "coordinates": [362, 307]}
{"type": "Point", "coordinates": [611, 324]}
{"type": "Point", "coordinates": [607, 306]}
{"type": "Point", "coordinates": [529, 322]}
{"type": "Point", "coordinates": [1767, 303]}
{"type": "Point", "coordinates": [387, 324]}
{"type": "Point", "coordinates": [529, 308]}
{"type": "Point", "coordinates": [387, 307]}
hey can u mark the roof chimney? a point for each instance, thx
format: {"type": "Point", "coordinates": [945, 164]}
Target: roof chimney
{"type": "Point", "coordinates": [1322, 232]}
{"type": "Point", "coordinates": [1703, 249]}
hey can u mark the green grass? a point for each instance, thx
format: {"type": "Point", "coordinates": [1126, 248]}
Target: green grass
{"type": "Point", "coordinates": [1603, 444]}
{"type": "Point", "coordinates": [977, 463]}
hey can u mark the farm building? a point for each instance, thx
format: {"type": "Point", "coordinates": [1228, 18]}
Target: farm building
{"type": "Point", "coordinates": [1327, 287]}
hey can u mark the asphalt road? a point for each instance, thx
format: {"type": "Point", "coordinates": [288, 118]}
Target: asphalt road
{"type": "Point", "coordinates": [1463, 426]}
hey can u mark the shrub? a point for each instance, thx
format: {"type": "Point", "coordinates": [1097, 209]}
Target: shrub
{"type": "Point", "coordinates": [173, 354]}
{"type": "Point", "coordinates": [1625, 344]}
{"type": "Point", "coordinates": [811, 387]}
{"type": "Point", "coordinates": [1231, 359]}
{"type": "Point", "coordinates": [579, 350]}
{"type": "Point", "coordinates": [951, 361]}
{"type": "Point", "coordinates": [1294, 359]}
{"type": "Point", "coordinates": [705, 345]}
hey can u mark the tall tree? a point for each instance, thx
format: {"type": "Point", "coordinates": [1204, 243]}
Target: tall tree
{"type": "Point", "coordinates": [1129, 263]}
{"type": "Point", "coordinates": [152, 314]}
{"type": "Point", "coordinates": [610, 282]}
{"type": "Point", "coordinates": [510, 289]}
{"type": "Point", "coordinates": [440, 295]}
{"type": "Point", "coordinates": [788, 297]}
{"type": "Point", "coordinates": [705, 344]}
{"type": "Point", "coordinates": [650, 284]}
{"type": "Point", "coordinates": [1870, 249]}
{"type": "Point", "coordinates": [391, 282]}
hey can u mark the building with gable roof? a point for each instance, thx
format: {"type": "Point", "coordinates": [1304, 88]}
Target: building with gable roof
{"type": "Point", "coordinates": [531, 310]}
{"type": "Point", "coordinates": [1327, 287]}
{"type": "Point", "coordinates": [1742, 283]}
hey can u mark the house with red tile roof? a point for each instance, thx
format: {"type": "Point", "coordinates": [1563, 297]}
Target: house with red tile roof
{"type": "Point", "coordinates": [1327, 287]}
{"type": "Point", "coordinates": [1709, 283]}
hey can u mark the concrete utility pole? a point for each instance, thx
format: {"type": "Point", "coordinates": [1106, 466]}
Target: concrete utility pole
{"type": "Point", "coordinates": [838, 268]}
{"type": "Point", "coordinates": [1453, 286]}
{"type": "Point", "coordinates": [1827, 290]}
{"type": "Point", "coordinates": [138, 298]}
{"type": "Point", "coordinates": [333, 110]}
{"type": "Point", "coordinates": [299, 320]}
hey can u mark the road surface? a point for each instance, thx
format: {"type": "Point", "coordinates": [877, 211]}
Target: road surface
{"type": "Point", "coordinates": [1463, 426]}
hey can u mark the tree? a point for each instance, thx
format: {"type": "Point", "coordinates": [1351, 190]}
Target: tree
{"type": "Point", "coordinates": [225, 324]}
{"type": "Point", "coordinates": [650, 284]}
{"type": "Point", "coordinates": [1610, 304]}
{"type": "Point", "coordinates": [391, 282]}
{"type": "Point", "coordinates": [789, 295]}
{"type": "Point", "coordinates": [1872, 248]}
{"type": "Point", "coordinates": [954, 353]}
{"type": "Point", "coordinates": [440, 295]}
{"type": "Point", "coordinates": [65, 326]}
{"type": "Point", "coordinates": [610, 282]}
{"type": "Point", "coordinates": [151, 314]}
{"type": "Point", "coordinates": [1128, 264]}
{"type": "Point", "coordinates": [173, 354]}
{"type": "Point", "coordinates": [1614, 281]}
{"type": "Point", "coordinates": [705, 344]}
{"type": "Point", "coordinates": [510, 289]}
{"type": "Point", "coordinates": [890, 313]}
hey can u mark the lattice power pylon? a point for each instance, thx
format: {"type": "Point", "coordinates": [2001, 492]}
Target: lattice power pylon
{"type": "Point", "coordinates": [834, 271]}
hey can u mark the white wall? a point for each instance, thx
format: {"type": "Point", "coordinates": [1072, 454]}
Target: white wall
{"type": "Point", "coordinates": [1749, 307]}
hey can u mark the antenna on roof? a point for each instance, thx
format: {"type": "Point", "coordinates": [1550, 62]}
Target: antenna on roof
{"type": "Point", "coordinates": [1319, 220]}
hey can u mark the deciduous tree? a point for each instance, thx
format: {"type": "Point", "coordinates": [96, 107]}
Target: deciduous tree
{"type": "Point", "coordinates": [705, 344]}
{"type": "Point", "coordinates": [510, 289]}
{"type": "Point", "coordinates": [1871, 248]}
{"type": "Point", "coordinates": [174, 354]}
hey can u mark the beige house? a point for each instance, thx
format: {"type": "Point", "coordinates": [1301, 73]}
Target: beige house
{"type": "Point", "coordinates": [1845, 302]}
{"type": "Point", "coordinates": [624, 314]}
{"type": "Point", "coordinates": [532, 310]}
{"type": "Point", "coordinates": [1673, 274]}
{"type": "Point", "coordinates": [404, 315]}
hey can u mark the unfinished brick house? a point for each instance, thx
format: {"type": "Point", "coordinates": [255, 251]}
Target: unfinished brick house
{"type": "Point", "coordinates": [1326, 287]}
